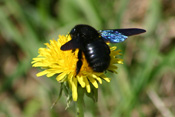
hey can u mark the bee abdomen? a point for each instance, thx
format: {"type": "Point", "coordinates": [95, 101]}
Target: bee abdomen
{"type": "Point", "coordinates": [97, 55]}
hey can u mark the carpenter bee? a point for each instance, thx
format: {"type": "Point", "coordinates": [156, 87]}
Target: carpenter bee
{"type": "Point", "coordinates": [93, 44]}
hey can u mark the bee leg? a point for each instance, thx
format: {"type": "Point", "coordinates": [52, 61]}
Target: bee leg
{"type": "Point", "coordinates": [79, 62]}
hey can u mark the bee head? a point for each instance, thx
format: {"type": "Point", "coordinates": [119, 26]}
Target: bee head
{"type": "Point", "coordinates": [84, 33]}
{"type": "Point", "coordinates": [81, 35]}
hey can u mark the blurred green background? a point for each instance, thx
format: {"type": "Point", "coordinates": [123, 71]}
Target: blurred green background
{"type": "Point", "coordinates": [144, 85]}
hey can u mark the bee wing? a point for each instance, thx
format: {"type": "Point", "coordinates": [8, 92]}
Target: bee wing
{"type": "Point", "coordinates": [72, 44]}
{"type": "Point", "coordinates": [119, 35]}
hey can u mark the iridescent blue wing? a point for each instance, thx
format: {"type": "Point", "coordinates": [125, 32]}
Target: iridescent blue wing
{"type": "Point", "coordinates": [119, 35]}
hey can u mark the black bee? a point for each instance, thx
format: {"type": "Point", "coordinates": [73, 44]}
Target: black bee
{"type": "Point", "coordinates": [93, 44]}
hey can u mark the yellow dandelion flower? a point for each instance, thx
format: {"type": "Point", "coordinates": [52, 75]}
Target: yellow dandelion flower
{"type": "Point", "coordinates": [63, 64]}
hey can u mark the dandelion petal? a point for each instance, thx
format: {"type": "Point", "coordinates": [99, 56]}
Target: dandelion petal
{"type": "Point", "coordinates": [81, 81]}
{"type": "Point", "coordinates": [93, 81]}
{"type": "Point", "coordinates": [88, 88]}
{"type": "Point", "coordinates": [74, 89]}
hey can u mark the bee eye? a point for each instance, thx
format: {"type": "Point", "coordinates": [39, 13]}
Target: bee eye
{"type": "Point", "coordinates": [73, 31]}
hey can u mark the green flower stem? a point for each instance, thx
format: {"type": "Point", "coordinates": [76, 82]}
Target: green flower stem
{"type": "Point", "coordinates": [80, 102]}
